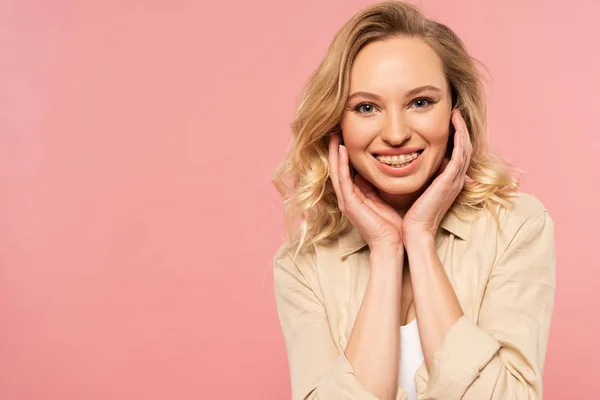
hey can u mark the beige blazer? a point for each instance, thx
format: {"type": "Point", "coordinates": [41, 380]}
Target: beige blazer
{"type": "Point", "coordinates": [505, 283]}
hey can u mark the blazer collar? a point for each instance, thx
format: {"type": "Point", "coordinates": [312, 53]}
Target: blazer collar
{"type": "Point", "coordinates": [351, 241]}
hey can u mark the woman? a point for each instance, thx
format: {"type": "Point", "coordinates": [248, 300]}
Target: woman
{"type": "Point", "coordinates": [418, 270]}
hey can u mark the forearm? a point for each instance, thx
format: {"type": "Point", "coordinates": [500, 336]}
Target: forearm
{"type": "Point", "coordinates": [436, 304]}
{"type": "Point", "coordinates": [373, 346]}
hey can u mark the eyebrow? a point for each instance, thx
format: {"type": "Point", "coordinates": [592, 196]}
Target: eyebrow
{"type": "Point", "coordinates": [410, 93]}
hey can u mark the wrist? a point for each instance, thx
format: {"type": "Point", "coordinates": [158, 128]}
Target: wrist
{"type": "Point", "coordinates": [387, 259]}
{"type": "Point", "coordinates": [418, 239]}
{"type": "Point", "coordinates": [387, 252]}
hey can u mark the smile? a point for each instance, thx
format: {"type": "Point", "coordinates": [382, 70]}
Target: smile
{"type": "Point", "coordinates": [400, 161]}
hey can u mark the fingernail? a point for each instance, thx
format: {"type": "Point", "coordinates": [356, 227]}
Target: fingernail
{"type": "Point", "coordinates": [340, 149]}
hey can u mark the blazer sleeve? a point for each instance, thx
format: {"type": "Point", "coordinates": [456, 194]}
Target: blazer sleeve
{"type": "Point", "coordinates": [502, 357]}
{"type": "Point", "coordinates": [317, 369]}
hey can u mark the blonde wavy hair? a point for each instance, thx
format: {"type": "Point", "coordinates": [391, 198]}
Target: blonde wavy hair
{"type": "Point", "coordinates": [310, 194]}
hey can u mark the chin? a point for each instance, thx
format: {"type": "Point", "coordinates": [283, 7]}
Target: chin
{"type": "Point", "coordinates": [400, 186]}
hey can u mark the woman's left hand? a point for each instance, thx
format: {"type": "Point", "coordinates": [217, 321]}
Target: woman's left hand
{"type": "Point", "coordinates": [425, 215]}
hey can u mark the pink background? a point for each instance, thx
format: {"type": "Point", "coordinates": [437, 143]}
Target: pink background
{"type": "Point", "coordinates": [137, 217]}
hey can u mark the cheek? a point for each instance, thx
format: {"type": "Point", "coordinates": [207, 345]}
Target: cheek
{"type": "Point", "coordinates": [434, 130]}
{"type": "Point", "coordinates": [358, 132]}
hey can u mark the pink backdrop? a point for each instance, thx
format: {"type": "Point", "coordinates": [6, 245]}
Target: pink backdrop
{"type": "Point", "coordinates": [137, 217]}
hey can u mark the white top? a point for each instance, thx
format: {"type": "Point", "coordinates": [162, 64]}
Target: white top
{"type": "Point", "coordinates": [411, 356]}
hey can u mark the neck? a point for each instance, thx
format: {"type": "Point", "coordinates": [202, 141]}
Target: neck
{"type": "Point", "coordinates": [402, 202]}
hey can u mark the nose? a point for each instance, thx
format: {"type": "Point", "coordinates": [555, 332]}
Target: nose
{"type": "Point", "coordinates": [396, 131]}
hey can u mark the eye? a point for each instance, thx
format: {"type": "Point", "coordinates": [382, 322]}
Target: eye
{"type": "Point", "coordinates": [422, 102]}
{"type": "Point", "coordinates": [365, 108]}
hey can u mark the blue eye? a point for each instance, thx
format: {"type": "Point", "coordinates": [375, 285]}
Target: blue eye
{"type": "Point", "coordinates": [422, 102]}
{"type": "Point", "coordinates": [365, 108]}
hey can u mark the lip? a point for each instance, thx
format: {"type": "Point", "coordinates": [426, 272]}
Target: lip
{"type": "Point", "coordinates": [397, 152]}
{"type": "Point", "coordinates": [399, 172]}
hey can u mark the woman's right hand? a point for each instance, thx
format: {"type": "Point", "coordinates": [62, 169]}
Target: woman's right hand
{"type": "Point", "coordinates": [378, 223]}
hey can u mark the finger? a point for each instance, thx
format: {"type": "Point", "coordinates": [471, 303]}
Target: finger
{"type": "Point", "coordinates": [334, 141]}
{"type": "Point", "coordinates": [376, 203]}
{"type": "Point", "coordinates": [345, 180]}
{"type": "Point", "coordinates": [456, 161]}
{"type": "Point", "coordinates": [368, 190]}
{"type": "Point", "coordinates": [469, 147]}
{"type": "Point", "coordinates": [466, 145]}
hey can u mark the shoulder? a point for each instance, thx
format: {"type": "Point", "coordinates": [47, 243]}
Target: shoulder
{"type": "Point", "coordinates": [286, 261]}
{"type": "Point", "coordinates": [522, 219]}
{"type": "Point", "coordinates": [309, 266]}
{"type": "Point", "coordinates": [525, 205]}
{"type": "Point", "coordinates": [525, 211]}
{"type": "Point", "coordinates": [524, 226]}
{"type": "Point", "coordinates": [522, 210]}
{"type": "Point", "coordinates": [286, 255]}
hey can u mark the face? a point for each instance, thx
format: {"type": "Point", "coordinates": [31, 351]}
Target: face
{"type": "Point", "coordinates": [400, 104]}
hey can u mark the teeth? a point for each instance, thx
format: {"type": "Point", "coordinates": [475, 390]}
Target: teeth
{"type": "Point", "coordinates": [402, 159]}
